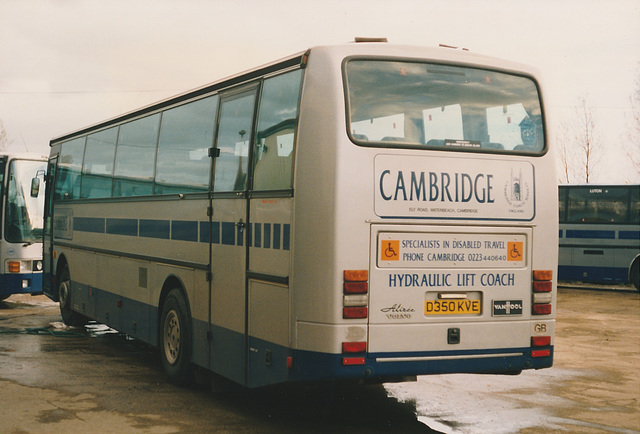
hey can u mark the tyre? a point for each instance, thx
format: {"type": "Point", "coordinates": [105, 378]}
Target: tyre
{"type": "Point", "coordinates": [634, 274]}
{"type": "Point", "coordinates": [175, 339]}
{"type": "Point", "coordinates": [69, 317]}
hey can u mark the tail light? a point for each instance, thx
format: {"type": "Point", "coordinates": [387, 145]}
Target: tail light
{"type": "Point", "coordinates": [349, 361]}
{"type": "Point", "coordinates": [540, 341]}
{"type": "Point", "coordinates": [540, 353]}
{"type": "Point", "coordinates": [354, 312]}
{"type": "Point", "coordinates": [353, 353]}
{"type": "Point", "coordinates": [355, 290]}
{"type": "Point", "coordinates": [354, 347]}
{"type": "Point", "coordinates": [541, 309]}
{"type": "Point", "coordinates": [537, 342]}
{"type": "Point", "coordinates": [541, 288]}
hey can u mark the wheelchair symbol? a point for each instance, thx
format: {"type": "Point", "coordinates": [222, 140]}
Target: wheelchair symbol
{"type": "Point", "coordinates": [514, 252]}
{"type": "Point", "coordinates": [389, 252]}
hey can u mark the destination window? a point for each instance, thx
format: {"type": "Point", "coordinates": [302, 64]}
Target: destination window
{"type": "Point", "coordinates": [598, 205]}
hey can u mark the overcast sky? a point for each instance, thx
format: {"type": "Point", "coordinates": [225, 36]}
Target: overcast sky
{"type": "Point", "coordinates": [66, 64]}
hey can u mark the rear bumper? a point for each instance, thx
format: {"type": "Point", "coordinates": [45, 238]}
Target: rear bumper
{"type": "Point", "coordinates": [320, 366]}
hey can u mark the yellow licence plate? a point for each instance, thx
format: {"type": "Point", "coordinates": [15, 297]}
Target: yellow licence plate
{"type": "Point", "coordinates": [452, 307]}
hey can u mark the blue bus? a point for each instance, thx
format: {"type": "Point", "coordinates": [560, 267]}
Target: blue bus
{"type": "Point", "coordinates": [600, 233]}
{"type": "Point", "coordinates": [21, 211]}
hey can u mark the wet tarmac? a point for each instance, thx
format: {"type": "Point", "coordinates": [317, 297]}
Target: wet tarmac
{"type": "Point", "coordinates": [97, 380]}
{"type": "Point", "coordinates": [55, 379]}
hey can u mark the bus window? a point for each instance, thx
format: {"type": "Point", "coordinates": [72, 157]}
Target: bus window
{"type": "Point", "coordinates": [70, 166]}
{"type": "Point", "coordinates": [97, 172]}
{"type": "Point", "coordinates": [234, 133]}
{"type": "Point", "coordinates": [635, 206]}
{"type": "Point", "coordinates": [458, 108]}
{"type": "Point", "coordinates": [3, 164]}
{"type": "Point", "coordinates": [562, 204]}
{"type": "Point", "coordinates": [23, 217]}
{"type": "Point", "coordinates": [443, 123]}
{"type": "Point", "coordinates": [186, 134]}
{"type": "Point", "coordinates": [598, 205]}
{"type": "Point", "coordinates": [135, 157]}
{"type": "Point", "coordinates": [379, 129]}
{"type": "Point", "coordinates": [510, 125]}
{"type": "Point", "coordinates": [275, 139]}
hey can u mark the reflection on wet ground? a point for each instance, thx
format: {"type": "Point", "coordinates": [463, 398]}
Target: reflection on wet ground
{"type": "Point", "coordinates": [95, 329]}
{"type": "Point", "coordinates": [25, 301]}
{"type": "Point", "coordinates": [329, 408]}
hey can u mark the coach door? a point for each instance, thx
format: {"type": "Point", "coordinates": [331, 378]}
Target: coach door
{"type": "Point", "coordinates": [271, 205]}
{"type": "Point", "coordinates": [229, 235]}
{"type": "Point", "coordinates": [47, 246]}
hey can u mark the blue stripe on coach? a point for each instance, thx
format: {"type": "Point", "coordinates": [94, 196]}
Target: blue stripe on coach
{"type": "Point", "coordinates": [629, 235]}
{"type": "Point", "coordinates": [600, 234]}
{"type": "Point", "coordinates": [122, 227]}
{"type": "Point", "coordinates": [184, 230]}
{"type": "Point", "coordinates": [155, 229]}
{"type": "Point", "coordinates": [89, 224]}
{"type": "Point", "coordinates": [275, 236]}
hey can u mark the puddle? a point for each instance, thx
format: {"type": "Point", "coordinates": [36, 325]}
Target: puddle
{"type": "Point", "coordinates": [467, 403]}
{"type": "Point", "coordinates": [96, 330]}
{"type": "Point", "coordinates": [25, 301]}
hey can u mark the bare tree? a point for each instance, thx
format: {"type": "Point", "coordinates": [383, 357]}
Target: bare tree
{"type": "Point", "coordinates": [585, 143]}
{"type": "Point", "coordinates": [579, 147]}
{"type": "Point", "coordinates": [632, 144]}
{"type": "Point", "coordinates": [4, 138]}
{"type": "Point", "coordinates": [565, 175]}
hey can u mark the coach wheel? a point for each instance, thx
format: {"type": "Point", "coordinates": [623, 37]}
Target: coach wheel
{"type": "Point", "coordinates": [635, 274]}
{"type": "Point", "coordinates": [64, 297]}
{"type": "Point", "coordinates": [175, 339]}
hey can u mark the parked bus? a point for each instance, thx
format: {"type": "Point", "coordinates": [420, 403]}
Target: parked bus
{"type": "Point", "coordinates": [600, 233]}
{"type": "Point", "coordinates": [366, 211]}
{"type": "Point", "coordinates": [22, 206]}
